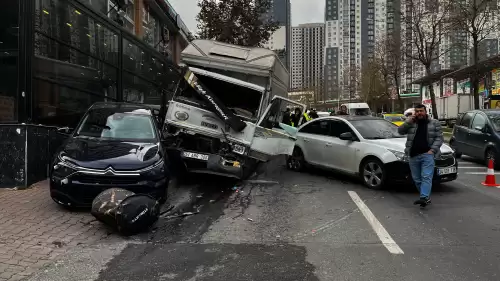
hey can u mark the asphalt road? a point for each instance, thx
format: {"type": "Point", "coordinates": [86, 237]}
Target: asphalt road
{"type": "Point", "coordinates": [316, 226]}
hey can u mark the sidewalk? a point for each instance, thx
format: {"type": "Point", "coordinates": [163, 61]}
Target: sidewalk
{"type": "Point", "coordinates": [34, 230]}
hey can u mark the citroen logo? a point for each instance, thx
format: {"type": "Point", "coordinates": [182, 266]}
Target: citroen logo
{"type": "Point", "coordinates": [109, 170]}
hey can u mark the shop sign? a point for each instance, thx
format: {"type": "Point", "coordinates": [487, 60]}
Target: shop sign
{"type": "Point", "coordinates": [495, 81]}
{"type": "Point", "coordinates": [447, 87]}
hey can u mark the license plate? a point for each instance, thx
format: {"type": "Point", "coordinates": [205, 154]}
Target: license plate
{"type": "Point", "coordinates": [446, 171]}
{"type": "Point", "coordinates": [195, 156]}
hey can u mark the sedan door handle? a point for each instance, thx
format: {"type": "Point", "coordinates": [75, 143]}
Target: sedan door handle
{"type": "Point", "coordinates": [329, 144]}
{"type": "Point", "coordinates": [306, 140]}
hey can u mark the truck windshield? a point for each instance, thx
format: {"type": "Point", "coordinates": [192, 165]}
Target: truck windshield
{"type": "Point", "coordinates": [243, 101]}
{"type": "Point", "coordinates": [360, 111]}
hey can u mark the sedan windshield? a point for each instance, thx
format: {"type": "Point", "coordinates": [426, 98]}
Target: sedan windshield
{"type": "Point", "coordinates": [121, 126]}
{"type": "Point", "coordinates": [495, 119]}
{"type": "Point", "coordinates": [394, 118]}
{"type": "Point", "coordinates": [376, 129]}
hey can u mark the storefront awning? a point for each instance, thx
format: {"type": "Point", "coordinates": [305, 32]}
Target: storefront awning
{"type": "Point", "coordinates": [433, 77]}
{"type": "Point", "coordinates": [480, 68]}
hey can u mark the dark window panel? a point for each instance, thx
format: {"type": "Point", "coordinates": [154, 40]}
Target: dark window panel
{"type": "Point", "coordinates": [9, 36]}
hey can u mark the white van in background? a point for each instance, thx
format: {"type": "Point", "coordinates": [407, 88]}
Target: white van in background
{"type": "Point", "coordinates": [358, 108]}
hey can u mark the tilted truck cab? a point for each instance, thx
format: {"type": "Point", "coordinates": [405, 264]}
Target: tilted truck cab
{"type": "Point", "coordinates": [225, 117]}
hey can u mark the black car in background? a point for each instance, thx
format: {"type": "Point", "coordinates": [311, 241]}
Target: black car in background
{"type": "Point", "coordinates": [114, 145]}
{"type": "Point", "coordinates": [476, 134]}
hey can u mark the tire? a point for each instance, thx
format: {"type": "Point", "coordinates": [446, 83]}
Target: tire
{"type": "Point", "coordinates": [372, 173]}
{"type": "Point", "coordinates": [296, 162]}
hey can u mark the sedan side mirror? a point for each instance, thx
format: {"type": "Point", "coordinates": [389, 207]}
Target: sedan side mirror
{"type": "Point", "coordinates": [347, 136]}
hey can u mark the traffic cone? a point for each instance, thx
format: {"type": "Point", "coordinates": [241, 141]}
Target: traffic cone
{"type": "Point", "coordinates": [490, 176]}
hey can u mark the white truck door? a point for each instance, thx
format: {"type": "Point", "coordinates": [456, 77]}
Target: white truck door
{"type": "Point", "coordinates": [272, 137]}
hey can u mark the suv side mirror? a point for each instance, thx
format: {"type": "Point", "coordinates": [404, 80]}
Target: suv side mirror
{"type": "Point", "coordinates": [64, 130]}
{"type": "Point", "coordinates": [481, 129]}
{"type": "Point", "coordinates": [346, 136]}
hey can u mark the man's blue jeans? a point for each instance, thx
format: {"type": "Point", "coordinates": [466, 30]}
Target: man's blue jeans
{"type": "Point", "coordinates": [422, 172]}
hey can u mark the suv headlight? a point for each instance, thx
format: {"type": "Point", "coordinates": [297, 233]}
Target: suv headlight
{"type": "Point", "coordinates": [156, 170]}
{"type": "Point", "coordinates": [401, 156]}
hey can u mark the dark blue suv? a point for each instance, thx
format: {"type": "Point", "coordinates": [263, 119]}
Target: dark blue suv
{"type": "Point", "coordinates": [476, 134]}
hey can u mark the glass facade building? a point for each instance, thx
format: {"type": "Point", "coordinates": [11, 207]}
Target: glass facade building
{"type": "Point", "coordinates": [58, 57]}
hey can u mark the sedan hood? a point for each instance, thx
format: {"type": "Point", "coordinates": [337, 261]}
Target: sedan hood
{"type": "Point", "coordinates": [100, 154]}
{"type": "Point", "coordinates": [398, 144]}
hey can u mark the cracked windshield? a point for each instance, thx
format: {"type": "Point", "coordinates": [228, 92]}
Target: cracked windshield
{"type": "Point", "coordinates": [227, 140]}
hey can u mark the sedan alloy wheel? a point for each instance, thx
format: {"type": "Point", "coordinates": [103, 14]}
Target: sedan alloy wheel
{"type": "Point", "coordinates": [373, 174]}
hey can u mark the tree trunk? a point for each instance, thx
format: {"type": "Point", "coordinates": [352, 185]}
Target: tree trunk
{"type": "Point", "coordinates": [475, 74]}
{"type": "Point", "coordinates": [433, 97]}
{"type": "Point", "coordinates": [400, 101]}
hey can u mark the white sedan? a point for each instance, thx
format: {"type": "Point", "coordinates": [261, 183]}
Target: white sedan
{"type": "Point", "coordinates": [368, 147]}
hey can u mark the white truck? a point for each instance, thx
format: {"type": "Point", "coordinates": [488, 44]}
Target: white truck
{"type": "Point", "coordinates": [226, 115]}
{"type": "Point", "coordinates": [449, 107]}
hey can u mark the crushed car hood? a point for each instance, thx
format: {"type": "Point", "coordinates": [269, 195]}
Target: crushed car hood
{"type": "Point", "coordinates": [100, 154]}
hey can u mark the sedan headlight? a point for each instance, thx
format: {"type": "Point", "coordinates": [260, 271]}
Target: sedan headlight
{"type": "Point", "coordinates": [401, 156]}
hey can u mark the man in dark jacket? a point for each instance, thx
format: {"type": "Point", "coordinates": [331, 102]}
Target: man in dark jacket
{"type": "Point", "coordinates": [423, 144]}
{"type": "Point", "coordinates": [287, 117]}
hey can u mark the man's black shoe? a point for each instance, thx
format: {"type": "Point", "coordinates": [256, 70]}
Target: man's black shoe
{"type": "Point", "coordinates": [422, 202]}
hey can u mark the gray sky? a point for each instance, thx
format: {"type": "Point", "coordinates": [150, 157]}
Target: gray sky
{"type": "Point", "coordinates": [303, 11]}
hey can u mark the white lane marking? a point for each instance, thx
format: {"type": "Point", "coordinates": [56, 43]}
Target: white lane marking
{"type": "Point", "coordinates": [479, 173]}
{"type": "Point", "coordinates": [382, 234]}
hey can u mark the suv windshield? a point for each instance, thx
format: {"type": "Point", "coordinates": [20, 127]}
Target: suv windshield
{"type": "Point", "coordinates": [495, 119]}
{"type": "Point", "coordinates": [376, 129]}
{"type": "Point", "coordinates": [109, 124]}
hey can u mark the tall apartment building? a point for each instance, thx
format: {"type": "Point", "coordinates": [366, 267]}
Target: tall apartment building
{"type": "Point", "coordinates": [352, 30]}
{"type": "Point", "coordinates": [281, 40]}
{"type": "Point", "coordinates": [453, 49]}
{"type": "Point", "coordinates": [307, 58]}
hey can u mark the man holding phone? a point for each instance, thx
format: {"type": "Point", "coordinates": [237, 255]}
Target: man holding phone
{"type": "Point", "coordinates": [423, 143]}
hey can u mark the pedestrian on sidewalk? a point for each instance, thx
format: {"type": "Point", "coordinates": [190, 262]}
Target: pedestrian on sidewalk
{"type": "Point", "coordinates": [423, 143]}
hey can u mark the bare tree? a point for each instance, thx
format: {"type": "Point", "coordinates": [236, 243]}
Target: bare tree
{"type": "Point", "coordinates": [430, 23]}
{"type": "Point", "coordinates": [351, 81]}
{"type": "Point", "coordinates": [374, 86]}
{"type": "Point", "coordinates": [479, 19]}
{"type": "Point", "coordinates": [387, 57]}
{"type": "Point", "coordinates": [240, 22]}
